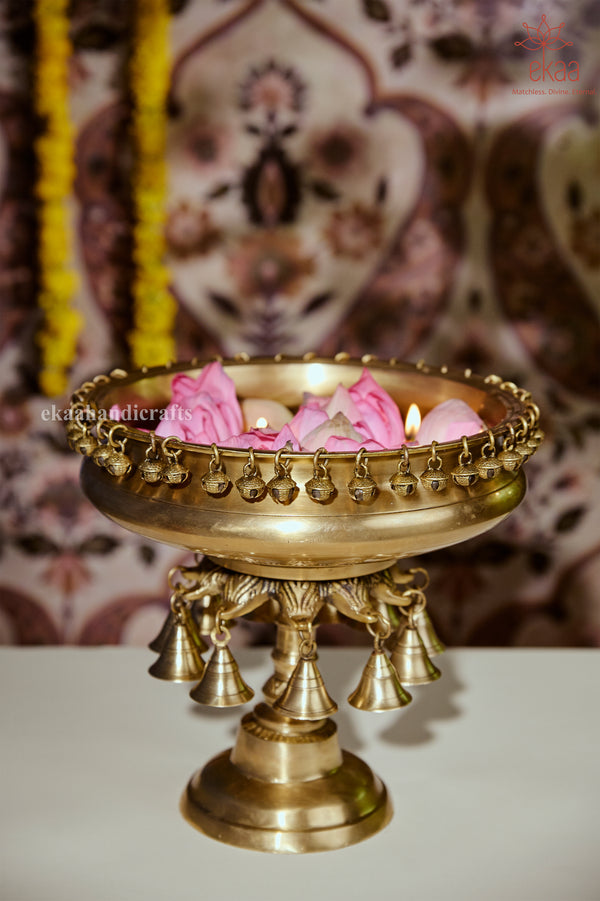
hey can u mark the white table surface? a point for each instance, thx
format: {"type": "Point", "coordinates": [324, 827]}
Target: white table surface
{"type": "Point", "coordinates": [493, 773]}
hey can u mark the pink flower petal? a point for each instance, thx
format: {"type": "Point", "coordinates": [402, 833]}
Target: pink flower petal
{"type": "Point", "coordinates": [449, 421]}
{"type": "Point", "coordinates": [305, 420]}
{"type": "Point", "coordinates": [334, 443]}
{"type": "Point", "coordinates": [338, 427]}
{"type": "Point", "coordinates": [212, 402]}
{"type": "Point", "coordinates": [259, 439]}
{"type": "Point", "coordinates": [380, 417]}
{"type": "Point", "coordinates": [341, 402]}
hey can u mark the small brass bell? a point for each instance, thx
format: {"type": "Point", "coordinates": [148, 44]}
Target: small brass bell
{"type": "Point", "coordinates": [86, 444]}
{"type": "Point", "coordinates": [174, 474]}
{"type": "Point", "coordinates": [320, 488]}
{"type": "Point", "coordinates": [305, 697]}
{"type": "Point", "coordinates": [465, 474]}
{"type": "Point", "coordinates": [434, 479]}
{"type": "Point", "coordinates": [74, 427]}
{"type": "Point", "coordinates": [74, 431]}
{"type": "Point", "coordinates": [152, 468]}
{"type": "Point", "coordinates": [118, 464]}
{"type": "Point", "coordinates": [379, 688]}
{"type": "Point", "coordinates": [215, 481]}
{"type": "Point", "coordinates": [410, 658]}
{"type": "Point", "coordinates": [101, 454]}
{"type": "Point", "coordinates": [222, 684]}
{"type": "Point", "coordinates": [180, 659]}
{"type": "Point", "coordinates": [403, 482]}
{"type": "Point", "coordinates": [488, 467]}
{"type": "Point", "coordinates": [510, 459]}
{"type": "Point", "coordinates": [282, 488]}
{"type": "Point", "coordinates": [362, 487]}
{"type": "Point", "coordinates": [250, 485]}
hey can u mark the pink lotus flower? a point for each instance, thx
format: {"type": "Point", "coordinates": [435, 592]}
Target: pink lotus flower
{"type": "Point", "coordinates": [212, 402]}
{"type": "Point", "coordinates": [337, 434]}
{"type": "Point", "coordinates": [449, 421]}
{"type": "Point", "coordinates": [380, 417]}
{"type": "Point", "coordinates": [373, 415]}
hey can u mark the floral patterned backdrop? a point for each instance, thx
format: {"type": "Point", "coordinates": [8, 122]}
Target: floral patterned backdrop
{"type": "Point", "coordinates": [376, 176]}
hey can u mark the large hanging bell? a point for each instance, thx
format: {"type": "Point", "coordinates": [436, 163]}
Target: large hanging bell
{"type": "Point", "coordinates": [222, 684]}
{"type": "Point", "coordinates": [429, 637]}
{"type": "Point", "coordinates": [410, 658]}
{"type": "Point", "coordinates": [158, 642]}
{"type": "Point", "coordinates": [180, 659]}
{"type": "Point", "coordinates": [305, 697]}
{"type": "Point", "coordinates": [379, 688]}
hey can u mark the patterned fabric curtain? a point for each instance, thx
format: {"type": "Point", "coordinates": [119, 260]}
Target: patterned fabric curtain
{"type": "Point", "coordinates": [410, 179]}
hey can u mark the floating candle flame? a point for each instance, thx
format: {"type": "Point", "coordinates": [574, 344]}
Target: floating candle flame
{"type": "Point", "coordinates": [261, 413]}
{"type": "Point", "coordinates": [413, 422]}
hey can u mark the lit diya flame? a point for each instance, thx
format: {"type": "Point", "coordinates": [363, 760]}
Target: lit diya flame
{"type": "Point", "coordinates": [261, 413]}
{"type": "Point", "coordinates": [413, 422]}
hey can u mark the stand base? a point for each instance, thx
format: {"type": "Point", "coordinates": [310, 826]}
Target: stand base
{"type": "Point", "coordinates": [336, 810]}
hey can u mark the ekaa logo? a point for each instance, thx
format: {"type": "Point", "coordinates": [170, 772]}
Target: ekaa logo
{"type": "Point", "coordinates": [545, 38]}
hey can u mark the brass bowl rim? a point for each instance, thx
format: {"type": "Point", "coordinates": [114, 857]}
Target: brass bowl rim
{"type": "Point", "coordinates": [516, 400]}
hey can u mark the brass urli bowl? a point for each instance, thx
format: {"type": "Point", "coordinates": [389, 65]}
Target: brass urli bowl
{"type": "Point", "coordinates": [305, 538]}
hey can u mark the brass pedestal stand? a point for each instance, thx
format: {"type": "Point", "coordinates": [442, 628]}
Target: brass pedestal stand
{"type": "Point", "coordinates": [286, 786]}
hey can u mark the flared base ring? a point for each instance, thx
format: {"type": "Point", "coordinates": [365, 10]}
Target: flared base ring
{"type": "Point", "coordinates": [343, 807]}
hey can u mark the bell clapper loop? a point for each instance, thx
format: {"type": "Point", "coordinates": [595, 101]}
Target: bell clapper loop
{"type": "Point", "coordinates": [379, 630]}
{"type": "Point", "coordinates": [220, 634]}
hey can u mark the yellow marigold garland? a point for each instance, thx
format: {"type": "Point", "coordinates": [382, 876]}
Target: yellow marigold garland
{"type": "Point", "coordinates": [152, 340]}
{"type": "Point", "coordinates": [62, 324]}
